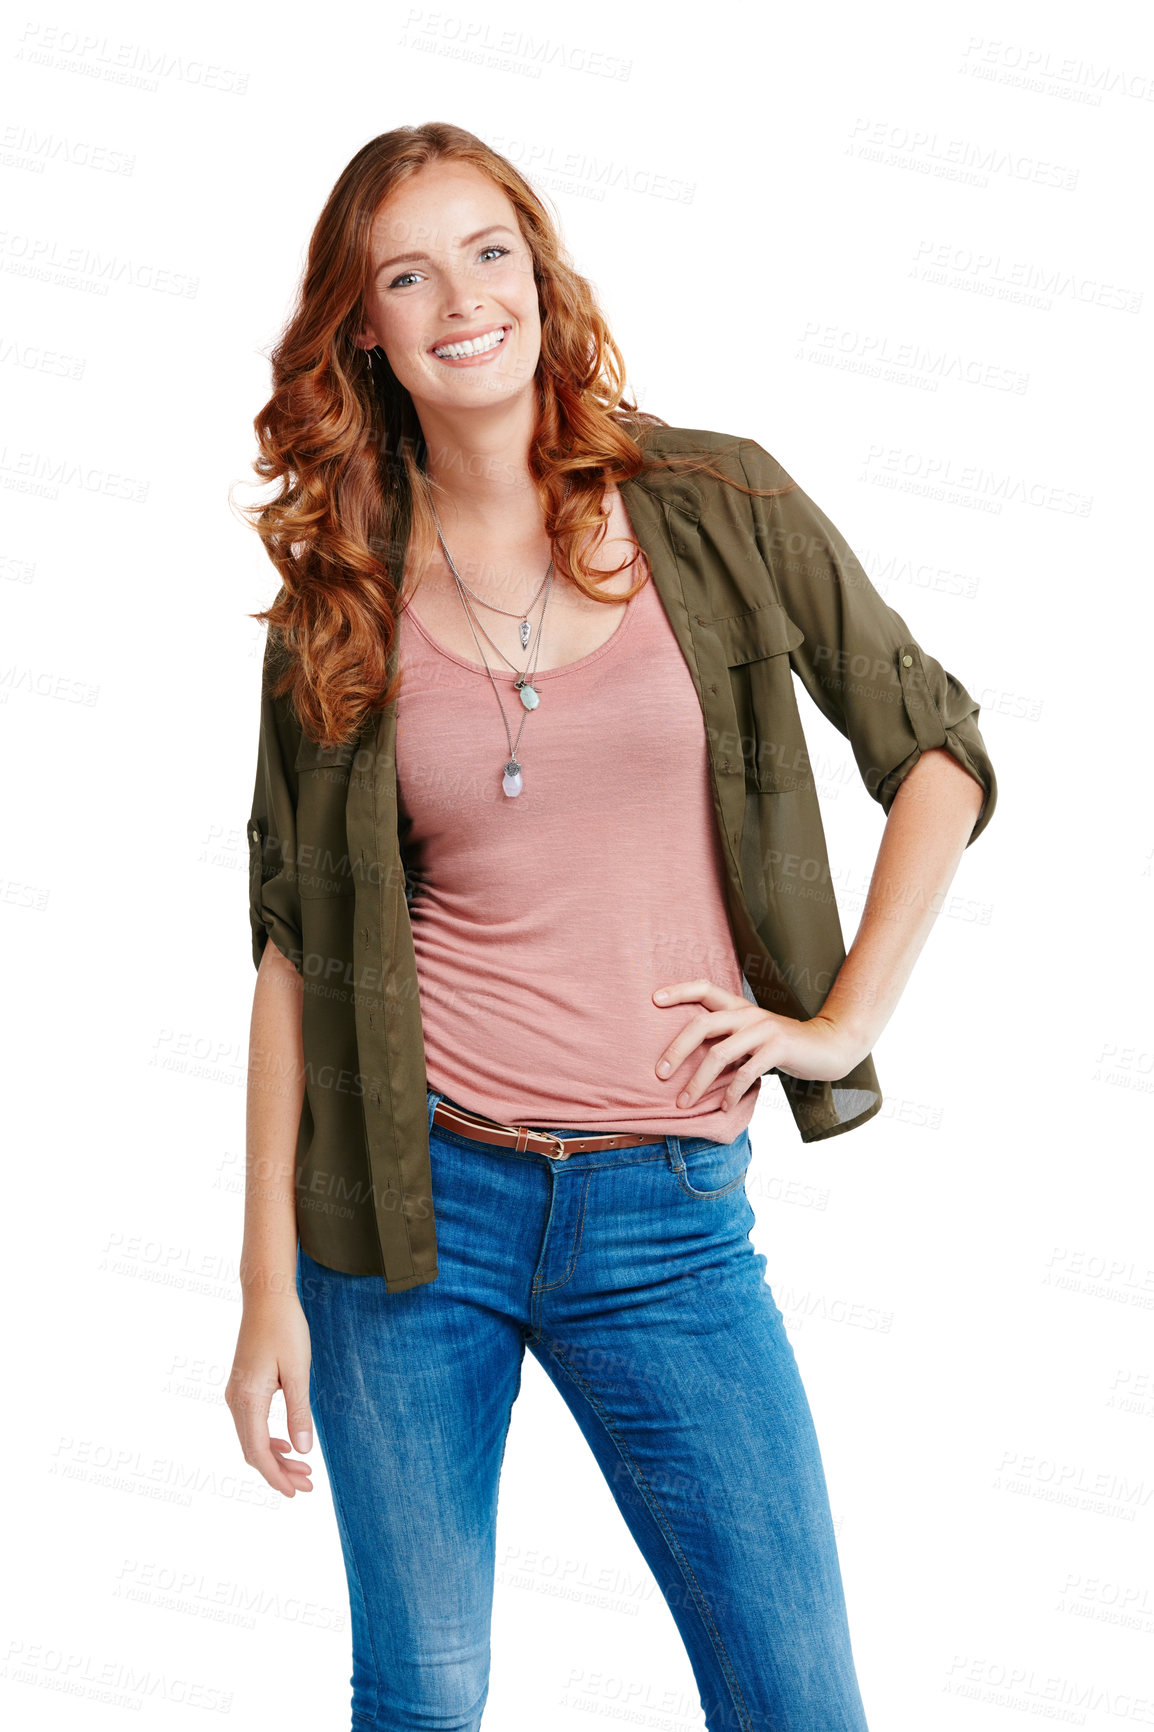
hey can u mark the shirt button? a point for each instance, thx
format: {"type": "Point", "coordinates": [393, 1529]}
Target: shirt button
{"type": "Point", "coordinates": [255, 834]}
{"type": "Point", "coordinates": [907, 661]}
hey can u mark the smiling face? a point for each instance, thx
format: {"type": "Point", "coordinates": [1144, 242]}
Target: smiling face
{"type": "Point", "coordinates": [452, 299]}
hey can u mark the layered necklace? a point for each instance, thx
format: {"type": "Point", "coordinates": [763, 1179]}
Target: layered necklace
{"type": "Point", "coordinates": [512, 780]}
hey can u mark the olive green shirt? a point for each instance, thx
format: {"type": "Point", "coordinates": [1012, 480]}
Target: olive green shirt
{"type": "Point", "coordinates": [757, 591]}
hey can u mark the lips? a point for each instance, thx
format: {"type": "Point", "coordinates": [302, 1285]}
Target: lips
{"type": "Point", "coordinates": [460, 337]}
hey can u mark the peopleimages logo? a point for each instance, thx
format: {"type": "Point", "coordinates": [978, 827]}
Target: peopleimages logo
{"type": "Point", "coordinates": [131, 64]}
{"type": "Point", "coordinates": [920, 149]}
{"type": "Point", "coordinates": [1025, 282]}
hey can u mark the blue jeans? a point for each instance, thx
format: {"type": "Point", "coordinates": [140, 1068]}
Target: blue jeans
{"type": "Point", "coordinates": [630, 1276]}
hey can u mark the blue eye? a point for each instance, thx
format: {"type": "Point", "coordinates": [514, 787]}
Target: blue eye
{"type": "Point", "coordinates": [407, 276]}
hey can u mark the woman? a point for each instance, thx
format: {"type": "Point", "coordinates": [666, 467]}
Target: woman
{"type": "Point", "coordinates": [541, 861]}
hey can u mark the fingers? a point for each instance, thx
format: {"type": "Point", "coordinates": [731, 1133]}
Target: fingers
{"type": "Point", "coordinates": [297, 1473]}
{"type": "Point", "coordinates": [720, 1058]}
{"type": "Point", "coordinates": [740, 1083]}
{"type": "Point", "coordinates": [249, 1400]}
{"type": "Point", "coordinates": [713, 997]}
{"type": "Point", "coordinates": [708, 1025]}
{"type": "Point", "coordinates": [270, 1457]}
{"type": "Point", "coordinates": [297, 1415]}
{"type": "Point", "coordinates": [753, 1034]}
{"type": "Point", "coordinates": [747, 1041]}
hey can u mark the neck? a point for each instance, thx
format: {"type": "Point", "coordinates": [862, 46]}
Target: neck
{"type": "Point", "coordinates": [478, 463]}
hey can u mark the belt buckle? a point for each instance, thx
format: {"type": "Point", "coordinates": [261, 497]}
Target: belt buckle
{"type": "Point", "coordinates": [562, 1154]}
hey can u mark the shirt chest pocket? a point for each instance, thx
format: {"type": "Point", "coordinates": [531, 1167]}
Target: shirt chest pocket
{"type": "Point", "coordinates": [768, 734]}
{"type": "Point", "coordinates": [323, 866]}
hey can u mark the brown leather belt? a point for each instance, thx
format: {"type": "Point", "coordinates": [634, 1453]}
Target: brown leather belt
{"type": "Point", "coordinates": [525, 1139]}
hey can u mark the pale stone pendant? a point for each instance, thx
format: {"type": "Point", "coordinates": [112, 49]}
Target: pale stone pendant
{"type": "Point", "coordinates": [529, 697]}
{"type": "Point", "coordinates": [511, 780]}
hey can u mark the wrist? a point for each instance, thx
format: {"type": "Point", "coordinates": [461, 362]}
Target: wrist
{"type": "Point", "coordinates": [267, 1284]}
{"type": "Point", "coordinates": [856, 1033]}
{"type": "Point", "coordinates": [855, 1012]}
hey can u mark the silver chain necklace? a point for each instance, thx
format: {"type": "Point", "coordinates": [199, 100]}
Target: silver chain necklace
{"type": "Point", "coordinates": [531, 700]}
{"type": "Point", "coordinates": [510, 613]}
{"type": "Point", "coordinates": [530, 697]}
{"type": "Point", "coordinates": [512, 780]}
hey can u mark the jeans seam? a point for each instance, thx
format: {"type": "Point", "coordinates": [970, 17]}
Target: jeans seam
{"type": "Point", "coordinates": [665, 1525]}
{"type": "Point", "coordinates": [704, 1196]}
{"type": "Point", "coordinates": [551, 1286]}
{"type": "Point", "coordinates": [367, 1621]}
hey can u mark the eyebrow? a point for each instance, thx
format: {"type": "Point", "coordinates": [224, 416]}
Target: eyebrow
{"type": "Point", "coordinates": [411, 258]}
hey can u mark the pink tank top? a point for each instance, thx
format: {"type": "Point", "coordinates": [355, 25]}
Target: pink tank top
{"type": "Point", "coordinates": [543, 923]}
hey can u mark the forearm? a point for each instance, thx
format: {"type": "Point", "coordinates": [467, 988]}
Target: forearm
{"type": "Point", "coordinates": [929, 824]}
{"type": "Point", "coordinates": [275, 1094]}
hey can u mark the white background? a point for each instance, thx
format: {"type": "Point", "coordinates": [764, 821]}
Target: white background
{"type": "Point", "coordinates": [844, 232]}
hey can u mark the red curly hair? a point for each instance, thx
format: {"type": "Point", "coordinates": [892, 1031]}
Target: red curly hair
{"type": "Point", "coordinates": [344, 441]}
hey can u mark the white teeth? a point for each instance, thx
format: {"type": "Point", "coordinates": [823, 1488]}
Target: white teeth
{"type": "Point", "coordinates": [476, 346]}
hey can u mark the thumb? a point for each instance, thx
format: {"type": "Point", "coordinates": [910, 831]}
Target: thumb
{"type": "Point", "coordinates": [298, 1416]}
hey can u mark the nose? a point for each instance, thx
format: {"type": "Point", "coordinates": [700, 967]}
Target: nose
{"type": "Point", "coordinates": [461, 299]}
{"type": "Point", "coordinates": [463, 306]}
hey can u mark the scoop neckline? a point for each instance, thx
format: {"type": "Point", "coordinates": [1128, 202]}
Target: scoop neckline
{"type": "Point", "coordinates": [628, 611]}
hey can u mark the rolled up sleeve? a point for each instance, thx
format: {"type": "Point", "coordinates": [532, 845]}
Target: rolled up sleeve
{"type": "Point", "coordinates": [274, 898]}
{"type": "Point", "coordinates": [859, 661]}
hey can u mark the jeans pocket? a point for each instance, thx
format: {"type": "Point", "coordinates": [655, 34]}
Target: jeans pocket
{"type": "Point", "coordinates": [704, 1169]}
